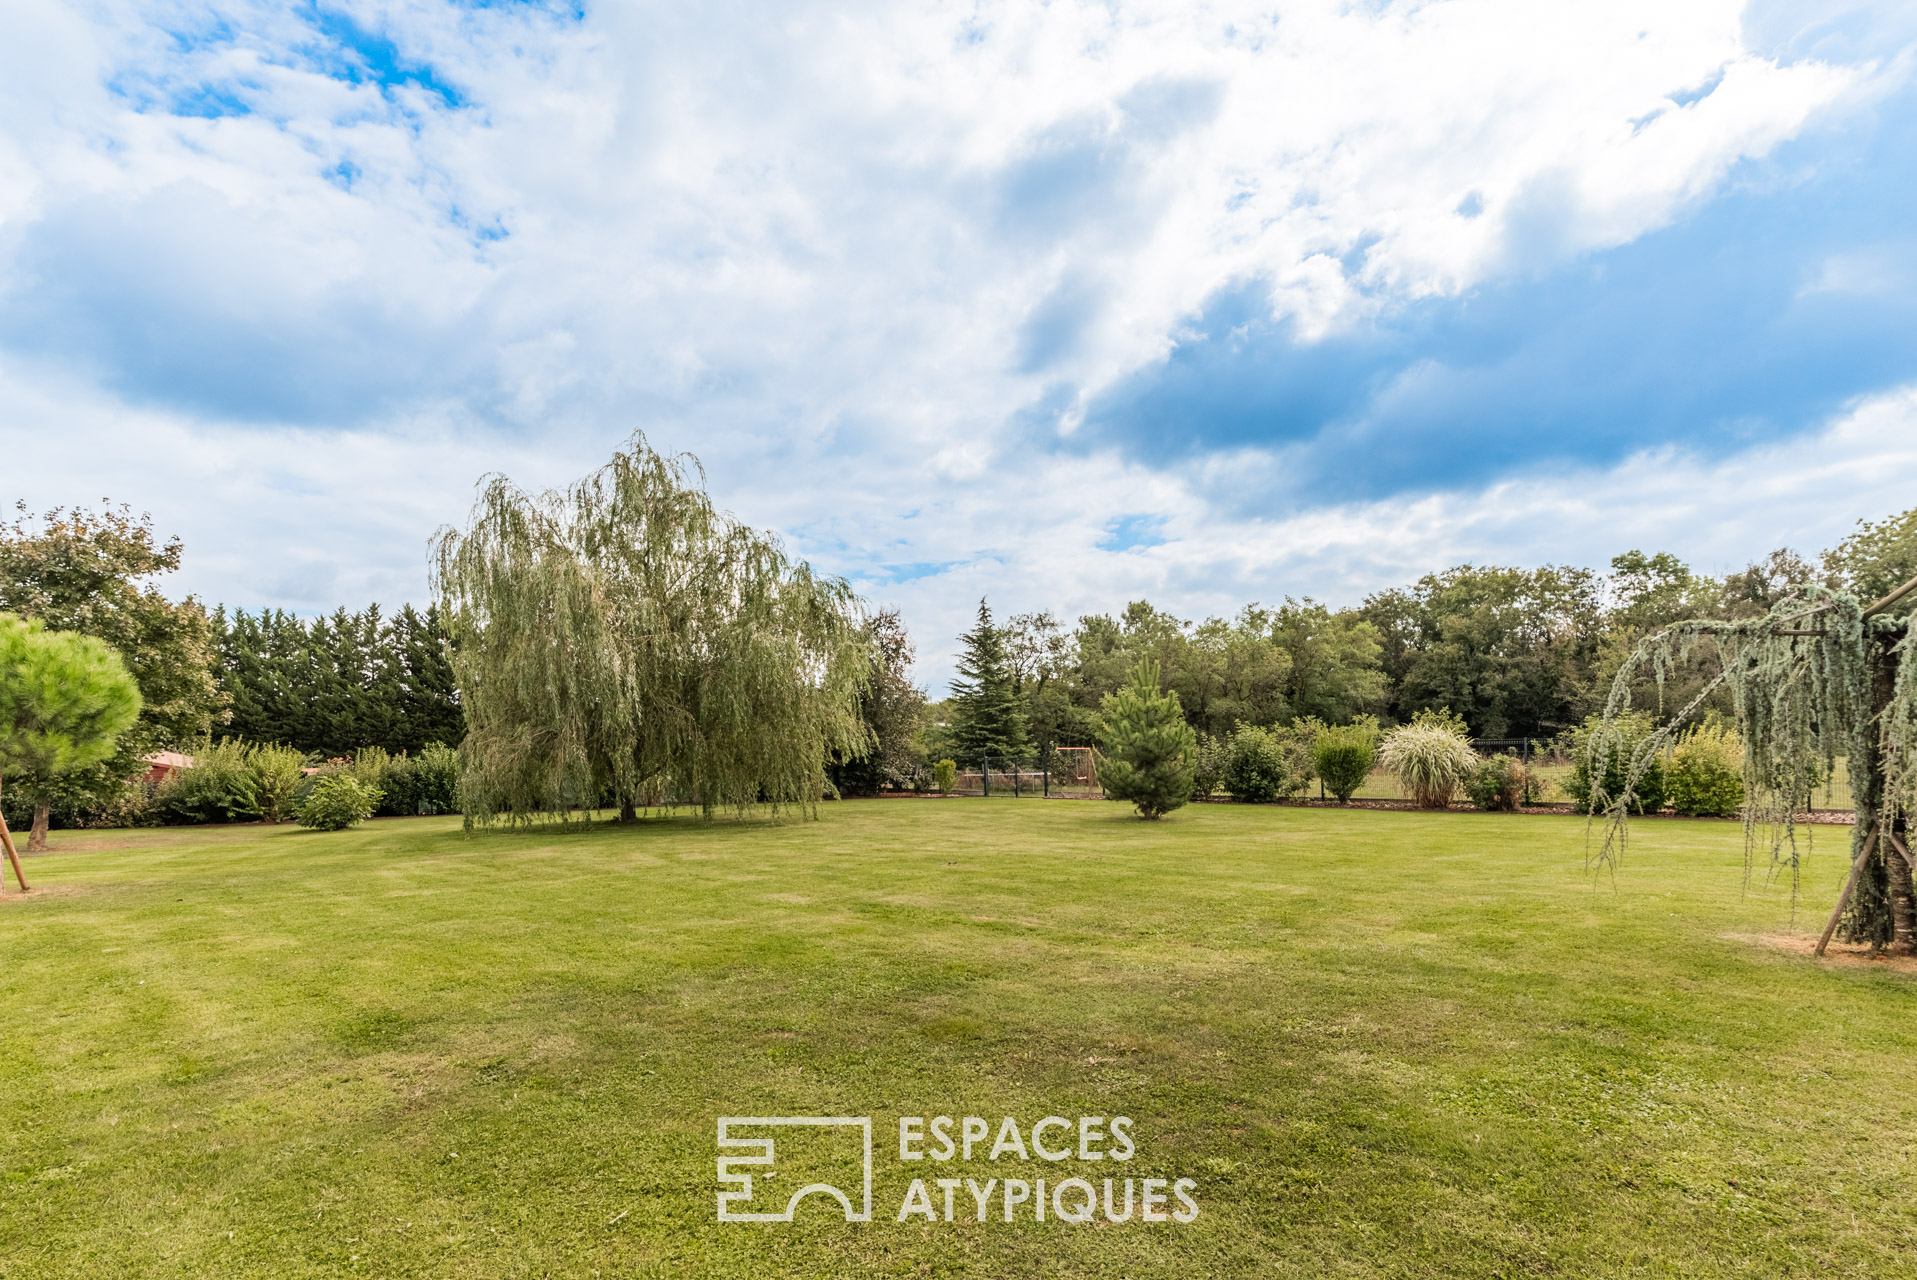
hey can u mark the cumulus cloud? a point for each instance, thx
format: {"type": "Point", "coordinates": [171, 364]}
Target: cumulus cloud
{"type": "Point", "coordinates": [293, 277]}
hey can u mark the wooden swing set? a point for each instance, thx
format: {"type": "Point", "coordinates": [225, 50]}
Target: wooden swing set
{"type": "Point", "coordinates": [6, 839]}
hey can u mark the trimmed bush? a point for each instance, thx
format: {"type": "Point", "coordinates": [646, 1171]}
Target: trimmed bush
{"type": "Point", "coordinates": [945, 776]}
{"type": "Point", "coordinates": [1343, 755]}
{"type": "Point", "coordinates": [1629, 729]}
{"type": "Point", "coordinates": [1501, 783]}
{"type": "Point", "coordinates": [1430, 758]}
{"type": "Point", "coordinates": [337, 801]}
{"type": "Point", "coordinates": [1256, 770]}
{"type": "Point", "coordinates": [1706, 774]}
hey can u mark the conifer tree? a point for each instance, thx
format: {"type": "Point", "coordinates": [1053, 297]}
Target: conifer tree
{"type": "Point", "coordinates": [1150, 750]}
{"type": "Point", "coordinates": [345, 682]}
{"type": "Point", "coordinates": [429, 709]}
{"type": "Point", "coordinates": [65, 699]}
{"type": "Point", "coordinates": [989, 719]}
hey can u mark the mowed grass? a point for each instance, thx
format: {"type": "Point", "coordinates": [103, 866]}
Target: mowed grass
{"type": "Point", "coordinates": [1384, 1044]}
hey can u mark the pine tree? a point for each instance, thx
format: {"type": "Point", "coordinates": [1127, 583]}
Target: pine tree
{"type": "Point", "coordinates": [989, 719]}
{"type": "Point", "coordinates": [92, 572]}
{"type": "Point", "coordinates": [346, 682]}
{"type": "Point", "coordinates": [1150, 750]}
{"type": "Point", "coordinates": [429, 709]}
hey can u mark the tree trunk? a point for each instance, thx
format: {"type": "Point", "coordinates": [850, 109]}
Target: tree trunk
{"type": "Point", "coordinates": [1897, 874]}
{"type": "Point", "coordinates": [1883, 910]}
{"type": "Point", "coordinates": [37, 834]}
{"type": "Point", "coordinates": [628, 812]}
{"type": "Point", "coordinates": [1903, 902]}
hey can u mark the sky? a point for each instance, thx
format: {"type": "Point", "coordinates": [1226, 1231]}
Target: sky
{"type": "Point", "coordinates": [1063, 305]}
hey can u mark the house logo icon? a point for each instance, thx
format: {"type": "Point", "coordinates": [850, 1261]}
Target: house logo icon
{"type": "Point", "coordinates": [741, 1190]}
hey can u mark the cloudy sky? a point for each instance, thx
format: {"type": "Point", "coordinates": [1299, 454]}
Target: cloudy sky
{"type": "Point", "coordinates": [1066, 304]}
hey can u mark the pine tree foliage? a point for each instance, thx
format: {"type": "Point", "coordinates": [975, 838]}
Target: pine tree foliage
{"type": "Point", "coordinates": [623, 640]}
{"type": "Point", "coordinates": [92, 572]}
{"type": "Point", "coordinates": [1150, 751]}
{"type": "Point", "coordinates": [988, 715]}
{"type": "Point", "coordinates": [339, 683]}
{"type": "Point", "coordinates": [65, 699]}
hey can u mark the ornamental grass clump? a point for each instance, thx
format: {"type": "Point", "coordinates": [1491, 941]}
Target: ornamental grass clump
{"type": "Point", "coordinates": [278, 774]}
{"type": "Point", "coordinates": [1344, 755]}
{"type": "Point", "coordinates": [1430, 757]}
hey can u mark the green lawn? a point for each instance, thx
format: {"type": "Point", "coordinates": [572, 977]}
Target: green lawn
{"type": "Point", "coordinates": [1381, 1044]}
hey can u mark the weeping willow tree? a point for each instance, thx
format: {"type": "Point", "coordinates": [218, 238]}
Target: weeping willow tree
{"type": "Point", "coordinates": [1821, 676]}
{"type": "Point", "coordinates": [623, 641]}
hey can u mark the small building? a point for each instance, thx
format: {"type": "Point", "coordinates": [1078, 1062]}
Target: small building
{"type": "Point", "coordinates": [162, 765]}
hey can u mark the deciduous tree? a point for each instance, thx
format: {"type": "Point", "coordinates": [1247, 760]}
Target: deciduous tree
{"type": "Point", "coordinates": [92, 572]}
{"type": "Point", "coordinates": [625, 641]}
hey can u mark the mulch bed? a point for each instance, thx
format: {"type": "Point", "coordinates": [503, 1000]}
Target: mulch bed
{"type": "Point", "coordinates": [1817, 817]}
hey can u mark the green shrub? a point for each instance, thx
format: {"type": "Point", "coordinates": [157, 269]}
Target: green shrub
{"type": "Point", "coordinates": [337, 801]}
{"type": "Point", "coordinates": [1343, 755]}
{"type": "Point", "coordinates": [279, 774]}
{"type": "Point", "coordinates": [1294, 744]}
{"type": "Point", "coordinates": [219, 786]}
{"type": "Point", "coordinates": [1430, 758]}
{"type": "Point", "coordinates": [1208, 765]}
{"type": "Point", "coordinates": [1706, 774]}
{"type": "Point", "coordinates": [436, 779]}
{"type": "Point", "coordinates": [1256, 769]}
{"type": "Point", "coordinates": [1149, 747]}
{"type": "Point", "coordinates": [1501, 782]}
{"type": "Point", "coordinates": [1629, 730]}
{"type": "Point", "coordinates": [945, 776]}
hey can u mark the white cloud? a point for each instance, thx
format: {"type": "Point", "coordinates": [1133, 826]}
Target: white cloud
{"type": "Point", "coordinates": [309, 520]}
{"type": "Point", "coordinates": [843, 252]}
{"type": "Point", "coordinates": [826, 218]}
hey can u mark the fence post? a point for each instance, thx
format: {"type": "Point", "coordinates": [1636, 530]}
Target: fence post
{"type": "Point", "coordinates": [985, 774]}
{"type": "Point", "coordinates": [1045, 769]}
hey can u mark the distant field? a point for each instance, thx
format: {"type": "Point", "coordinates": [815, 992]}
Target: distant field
{"type": "Point", "coordinates": [1379, 1043]}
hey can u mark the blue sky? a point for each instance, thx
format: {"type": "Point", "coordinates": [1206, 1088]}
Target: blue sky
{"type": "Point", "coordinates": [1067, 304]}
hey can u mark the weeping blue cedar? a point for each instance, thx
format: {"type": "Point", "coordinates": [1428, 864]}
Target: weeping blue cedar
{"type": "Point", "coordinates": [1821, 675]}
{"type": "Point", "coordinates": [623, 640]}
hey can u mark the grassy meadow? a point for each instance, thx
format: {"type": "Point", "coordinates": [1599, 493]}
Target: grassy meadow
{"type": "Point", "coordinates": [1381, 1043]}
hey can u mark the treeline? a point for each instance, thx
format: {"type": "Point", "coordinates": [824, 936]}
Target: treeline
{"type": "Point", "coordinates": [1517, 653]}
{"type": "Point", "coordinates": [337, 684]}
